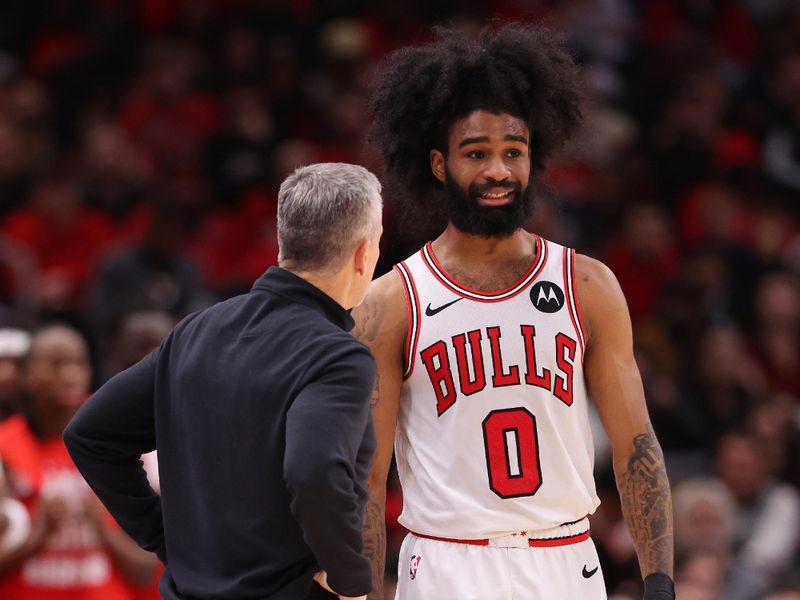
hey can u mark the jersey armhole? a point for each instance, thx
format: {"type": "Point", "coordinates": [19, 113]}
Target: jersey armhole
{"type": "Point", "coordinates": [412, 305]}
{"type": "Point", "coordinates": [572, 298]}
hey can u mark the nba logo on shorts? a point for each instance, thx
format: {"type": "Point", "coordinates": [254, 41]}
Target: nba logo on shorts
{"type": "Point", "coordinates": [412, 571]}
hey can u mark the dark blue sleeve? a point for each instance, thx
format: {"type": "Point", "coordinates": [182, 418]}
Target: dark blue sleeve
{"type": "Point", "coordinates": [106, 439]}
{"type": "Point", "coordinates": [325, 427]}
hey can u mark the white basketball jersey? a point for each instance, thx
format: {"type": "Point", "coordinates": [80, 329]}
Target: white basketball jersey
{"type": "Point", "coordinates": [493, 433]}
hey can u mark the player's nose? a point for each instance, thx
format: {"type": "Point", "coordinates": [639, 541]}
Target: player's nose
{"type": "Point", "coordinates": [496, 169]}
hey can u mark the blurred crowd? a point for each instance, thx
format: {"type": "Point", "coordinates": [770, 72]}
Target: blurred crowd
{"type": "Point", "coordinates": [142, 143]}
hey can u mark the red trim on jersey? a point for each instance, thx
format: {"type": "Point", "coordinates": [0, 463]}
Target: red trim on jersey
{"type": "Point", "coordinates": [445, 279]}
{"type": "Point", "coordinates": [413, 354]}
{"type": "Point", "coordinates": [412, 305]}
{"type": "Point", "coordinates": [569, 278]}
{"type": "Point", "coordinates": [409, 325]}
{"type": "Point", "coordinates": [575, 296]}
{"type": "Point", "coordinates": [533, 543]}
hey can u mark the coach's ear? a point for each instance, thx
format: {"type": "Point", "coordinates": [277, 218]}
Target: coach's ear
{"type": "Point", "coordinates": [437, 165]}
{"type": "Point", "coordinates": [361, 257]}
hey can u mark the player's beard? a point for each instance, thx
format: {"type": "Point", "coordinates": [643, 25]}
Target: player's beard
{"type": "Point", "coordinates": [467, 215]}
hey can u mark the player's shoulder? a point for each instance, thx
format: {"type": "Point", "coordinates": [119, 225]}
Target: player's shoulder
{"type": "Point", "coordinates": [594, 274]}
{"type": "Point", "coordinates": [382, 316]}
{"type": "Point", "coordinates": [387, 285]}
{"type": "Point", "coordinates": [598, 292]}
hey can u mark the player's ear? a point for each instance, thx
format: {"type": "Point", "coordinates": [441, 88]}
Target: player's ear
{"type": "Point", "coordinates": [360, 261]}
{"type": "Point", "coordinates": [437, 164]}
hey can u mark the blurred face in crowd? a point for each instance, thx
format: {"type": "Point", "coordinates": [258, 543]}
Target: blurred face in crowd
{"type": "Point", "coordinates": [694, 591]}
{"type": "Point", "coordinates": [486, 174]}
{"type": "Point", "coordinates": [14, 347]}
{"type": "Point", "coordinates": [648, 232]}
{"type": "Point", "coordinates": [741, 466]}
{"type": "Point", "coordinates": [722, 353]}
{"type": "Point", "coordinates": [58, 200]}
{"type": "Point", "coordinates": [787, 595]}
{"type": "Point", "coordinates": [704, 569]}
{"type": "Point", "coordinates": [10, 379]}
{"type": "Point", "coordinates": [139, 335]}
{"type": "Point", "coordinates": [786, 87]}
{"type": "Point", "coordinates": [778, 302]}
{"type": "Point", "coordinates": [706, 523]}
{"type": "Point", "coordinates": [58, 368]}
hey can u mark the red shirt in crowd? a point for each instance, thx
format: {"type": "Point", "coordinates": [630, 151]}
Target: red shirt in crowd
{"type": "Point", "coordinates": [72, 565]}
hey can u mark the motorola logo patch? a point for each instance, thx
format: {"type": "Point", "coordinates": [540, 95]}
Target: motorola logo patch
{"type": "Point", "coordinates": [547, 297]}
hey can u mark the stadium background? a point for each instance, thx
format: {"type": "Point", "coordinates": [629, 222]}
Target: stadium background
{"type": "Point", "coordinates": [141, 144]}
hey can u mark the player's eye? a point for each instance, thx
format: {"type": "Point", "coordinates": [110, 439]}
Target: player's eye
{"type": "Point", "coordinates": [475, 154]}
{"type": "Point", "coordinates": [513, 153]}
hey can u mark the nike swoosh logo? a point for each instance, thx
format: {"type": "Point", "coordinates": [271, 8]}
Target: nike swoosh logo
{"type": "Point", "coordinates": [432, 311]}
{"type": "Point", "coordinates": [587, 573]}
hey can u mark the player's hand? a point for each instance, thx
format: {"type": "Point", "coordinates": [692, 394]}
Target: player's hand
{"type": "Point", "coordinates": [321, 577]}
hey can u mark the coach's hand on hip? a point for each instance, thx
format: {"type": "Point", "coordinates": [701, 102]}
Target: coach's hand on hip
{"type": "Point", "coordinates": [321, 577]}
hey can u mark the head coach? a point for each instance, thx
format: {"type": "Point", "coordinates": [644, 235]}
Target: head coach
{"type": "Point", "coordinates": [259, 408]}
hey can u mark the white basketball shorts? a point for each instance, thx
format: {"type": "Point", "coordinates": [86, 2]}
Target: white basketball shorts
{"type": "Point", "coordinates": [557, 564]}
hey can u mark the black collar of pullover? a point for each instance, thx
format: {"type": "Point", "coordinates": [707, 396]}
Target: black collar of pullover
{"type": "Point", "coordinates": [293, 287]}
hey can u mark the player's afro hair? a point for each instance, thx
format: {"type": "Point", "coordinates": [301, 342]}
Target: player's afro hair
{"type": "Point", "coordinates": [420, 91]}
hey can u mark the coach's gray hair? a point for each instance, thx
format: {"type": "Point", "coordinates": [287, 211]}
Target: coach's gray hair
{"type": "Point", "coordinates": [324, 210]}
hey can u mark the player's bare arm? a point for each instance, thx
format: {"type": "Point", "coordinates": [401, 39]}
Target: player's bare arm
{"type": "Point", "coordinates": [381, 325]}
{"type": "Point", "coordinates": [615, 386]}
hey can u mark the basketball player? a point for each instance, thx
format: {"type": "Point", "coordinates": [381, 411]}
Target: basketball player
{"type": "Point", "coordinates": [490, 342]}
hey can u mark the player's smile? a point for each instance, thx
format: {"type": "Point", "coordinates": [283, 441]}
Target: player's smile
{"type": "Point", "coordinates": [497, 195]}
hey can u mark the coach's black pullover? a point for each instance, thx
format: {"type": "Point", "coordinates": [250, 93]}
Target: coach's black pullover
{"type": "Point", "coordinates": [259, 409]}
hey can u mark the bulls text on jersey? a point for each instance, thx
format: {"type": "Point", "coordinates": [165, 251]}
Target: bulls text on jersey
{"type": "Point", "coordinates": [472, 373]}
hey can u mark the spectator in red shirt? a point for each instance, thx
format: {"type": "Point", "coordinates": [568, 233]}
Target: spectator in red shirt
{"type": "Point", "coordinates": [73, 550]}
{"type": "Point", "coordinates": [65, 237]}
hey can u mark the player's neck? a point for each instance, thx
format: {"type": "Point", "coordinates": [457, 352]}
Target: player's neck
{"type": "Point", "coordinates": [475, 249]}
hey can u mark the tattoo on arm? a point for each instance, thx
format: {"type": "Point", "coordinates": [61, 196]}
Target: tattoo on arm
{"type": "Point", "coordinates": [375, 542]}
{"type": "Point", "coordinates": [368, 323]}
{"type": "Point", "coordinates": [647, 504]}
{"type": "Point", "coordinates": [376, 390]}
{"type": "Point", "coordinates": [370, 330]}
{"type": "Point", "coordinates": [369, 317]}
